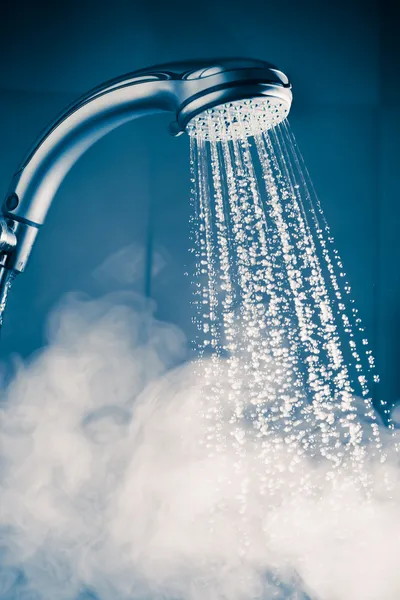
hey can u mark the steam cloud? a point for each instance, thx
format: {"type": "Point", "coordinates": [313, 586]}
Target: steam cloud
{"type": "Point", "coordinates": [111, 487]}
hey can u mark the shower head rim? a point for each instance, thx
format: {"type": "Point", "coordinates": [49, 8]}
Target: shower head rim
{"type": "Point", "coordinates": [224, 94]}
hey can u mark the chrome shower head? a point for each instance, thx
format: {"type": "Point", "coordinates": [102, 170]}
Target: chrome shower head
{"type": "Point", "coordinates": [218, 93]}
{"type": "Point", "coordinates": [211, 98]}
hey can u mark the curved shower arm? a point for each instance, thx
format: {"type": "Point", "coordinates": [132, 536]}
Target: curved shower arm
{"type": "Point", "coordinates": [34, 185]}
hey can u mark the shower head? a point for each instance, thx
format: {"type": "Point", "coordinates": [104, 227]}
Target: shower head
{"type": "Point", "coordinates": [227, 89]}
{"type": "Point", "coordinates": [214, 99]}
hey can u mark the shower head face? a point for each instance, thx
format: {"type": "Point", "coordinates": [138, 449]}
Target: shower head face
{"type": "Point", "coordinates": [238, 119]}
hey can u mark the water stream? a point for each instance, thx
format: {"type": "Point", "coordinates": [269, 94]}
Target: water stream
{"type": "Point", "coordinates": [274, 311]}
{"type": "Point", "coordinates": [6, 281]}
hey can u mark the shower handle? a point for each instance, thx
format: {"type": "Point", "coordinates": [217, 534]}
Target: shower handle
{"type": "Point", "coordinates": [35, 184]}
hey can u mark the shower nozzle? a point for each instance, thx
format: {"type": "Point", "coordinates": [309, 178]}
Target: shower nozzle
{"type": "Point", "coordinates": [220, 92]}
{"type": "Point", "coordinates": [216, 99]}
{"type": "Point", "coordinates": [239, 119]}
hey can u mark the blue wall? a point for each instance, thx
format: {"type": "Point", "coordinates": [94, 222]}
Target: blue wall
{"type": "Point", "coordinates": [133, 186]}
